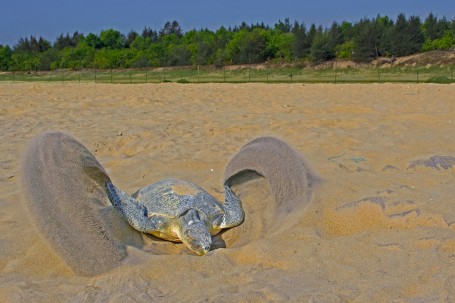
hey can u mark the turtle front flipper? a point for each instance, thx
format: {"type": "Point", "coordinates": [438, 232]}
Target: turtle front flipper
{"type": "Point", "coordinates": [136, 214]}
{"type": "Point", "coordinates": [233, 211]}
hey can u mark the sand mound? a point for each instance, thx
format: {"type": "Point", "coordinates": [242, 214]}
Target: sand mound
{"type": "Point", "coordinates": [61, 180]}
{"type": "Point", "coordinates": [273, 205]}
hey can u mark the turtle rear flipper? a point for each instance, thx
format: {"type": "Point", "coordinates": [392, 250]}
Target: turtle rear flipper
{"type": "Point", "coordinates": [233, 211]}
{"type": "Point", "coordinates": [135, 213]}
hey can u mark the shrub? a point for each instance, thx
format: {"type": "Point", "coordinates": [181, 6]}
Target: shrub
{"type": "Point", "coordinates": [440, 79]}
{"type": "Point", "coordinates": [345, 50]}
{"type": "Point", "coordinates": [445, 42]}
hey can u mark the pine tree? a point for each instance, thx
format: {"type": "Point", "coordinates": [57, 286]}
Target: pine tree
{"type": "Point", "coordinates": [366, 41]}
{"type": "Point", "coordinates": [406, 36]}
{"type": "Point", "coordinates": [301, 45]}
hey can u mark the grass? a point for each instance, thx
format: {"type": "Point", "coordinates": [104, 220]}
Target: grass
{"type": "Point", "coordinates": [434, 74]}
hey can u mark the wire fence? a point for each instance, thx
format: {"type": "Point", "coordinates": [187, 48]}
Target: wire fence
{"type": "Point", "coordinates": [408, 74]}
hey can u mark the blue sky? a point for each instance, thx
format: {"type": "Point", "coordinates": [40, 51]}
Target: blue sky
{"type": "Point", "coordinates": [49, 18]}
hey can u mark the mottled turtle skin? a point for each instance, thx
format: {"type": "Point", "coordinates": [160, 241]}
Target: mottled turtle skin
{"type": "Point", "coordinates": [179, 211]}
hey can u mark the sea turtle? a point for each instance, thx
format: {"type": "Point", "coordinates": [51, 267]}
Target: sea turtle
{"type": "Point", "coordinates": [179, 211]}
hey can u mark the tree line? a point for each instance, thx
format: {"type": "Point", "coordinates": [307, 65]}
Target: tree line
{"type": "Point", "coordinates": [245, 44]}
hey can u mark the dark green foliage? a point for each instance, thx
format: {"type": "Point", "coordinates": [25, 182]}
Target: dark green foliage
{"type": "Point", "coordinates": [247, 47]}
{"type": "Point", "coordinates": [286, 41]}
{"type": "Point", "coordinates": [284, 27]}
{"type": "Point", "coordinates": [440, 79]}
{"type": "Point", "coordinates": [93, 40]}
{"type": "Point", "coordinates": [32, 46]}
{"type": "Point", "coordinates": [433, 28]}
{"type": "Point", "coordinates": [132, 35]}
{"type": "Point", "coordinates": [67, 41]}
{"type": "Point", "coordinates": [171, 28]}
{"type": "Point", "coordinates": [366, 41]}
{"type": "Point", "coordinates": [112, 38]}
{"type": "Point", "coordinates": [179, 55]}
{"type": "Point", "coordinates": [406, 37]}
{"type": "Point", "coordinates": [141, 61]}
{"type": "Point", "coordinates": [5, 57]}
{"type": "Point", "coordinates": [323, 47]}
{"type": "Point", "coordinates": [301, 45]}
{"type": "Point", "coordinates": [149, 33]}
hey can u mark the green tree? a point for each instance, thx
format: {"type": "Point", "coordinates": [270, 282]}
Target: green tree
{"type": "Point", "coordinates": [345, 50]}
{"type": "Point", "coordinates": [113, 58]}
{"type": "Point", "coordinates": [24, 62]}
{"type": "Point", "coordinates": [141, 43]}
{"type": "Point", "coordinates": [445, 42]}
{"type": "Point", "coordinates": [201, 44]}
{"type": "Point", "coordinates": [79, 57]}
{"type": "Point", "coordinates": [406, 37]}
{"type": "Point", "coordinates": [33, 45]}
{"type": "Point", "coordinates": [366, 41]}
{"type": "Point", "coordinates": [150, 33]}
{"type": "Point", "coordinates": [112, 38]}
{"type": "Point", "coordinates": [284, 27]}
{"type": "Point", "coordinates": [179, 55]}
{"type": "Point", "coordinates": [46, 59]}
{"type": "Point", "coordinates": [5, 57]}
{"type": "Point", "coordinates": [278, 45]}
{"type": "Point", "coordinates": [322, 47]}
{"type": "Point", "coordinates": [132, 35]}
{"type": "Point", "coordinates": [347, 31]}
{"type": "Point", "coordinates": [93, 40]}
{"type": "Point", "coordinates": [385, 26]}
{"type": "Point", "coordinates": [301, 44]}
{"type": "Point", "coordinates": [247, 47]}
{"type": "Point", "coordinates": [68, 41]}
{"type": "Point", "coordinates": [433, 28]}
{"type": "Point", "coordinates": [171, 28]}
{"type": "Point", "coordinates": [62, 41]}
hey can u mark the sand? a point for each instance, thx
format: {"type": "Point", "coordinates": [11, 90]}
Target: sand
{"type": "Point", "coordinates": [379, 228]}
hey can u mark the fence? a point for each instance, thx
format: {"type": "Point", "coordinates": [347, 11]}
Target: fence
{"type": "Point", "coordinates": [438, 74]}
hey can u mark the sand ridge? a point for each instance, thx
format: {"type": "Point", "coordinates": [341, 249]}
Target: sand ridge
{"type": "Point", "coordinates": [377, 229]}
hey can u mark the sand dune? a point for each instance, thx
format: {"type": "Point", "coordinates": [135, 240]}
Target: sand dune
{"type": "Point", "coordinates": [378, 228]}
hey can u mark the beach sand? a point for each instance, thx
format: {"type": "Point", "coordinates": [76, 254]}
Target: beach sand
{"type": "Point", "coordinates": [379, 228]}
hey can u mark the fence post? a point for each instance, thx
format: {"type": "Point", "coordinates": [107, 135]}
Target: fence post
{"type": "Point", "coordinates": [131, 80]}
{"type": "Point", "coordinates": [417, 75]}
{"type": "Point", "coordinates": [95, 75]}
{"type": "Point", "coordinates": [111, 75]}
{"type": "Point", "coordinates": [198, 74]}
{"type": "Point", "coordinates": [335, 72]}
{"type": "Point", "coordinates": [379, 75]}
{"type": "Point", "coordinates": [146, 76]}
{"type": "Point", "coordinates": [224, 71]}
{"type": "Point", "coordinates": [14, 76]}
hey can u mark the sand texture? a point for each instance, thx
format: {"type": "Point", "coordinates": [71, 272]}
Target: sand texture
{"type": "Point", "coordinates": [374, 223]}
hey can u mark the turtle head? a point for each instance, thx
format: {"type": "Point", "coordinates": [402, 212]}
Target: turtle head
{"type": "Point", "coordinates": [197, 237]}
{"type": "Point", "coordinates": [194, 232]}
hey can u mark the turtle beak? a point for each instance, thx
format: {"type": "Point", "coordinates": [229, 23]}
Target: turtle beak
{"type": "Point", "coordinates": [203, 251]}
